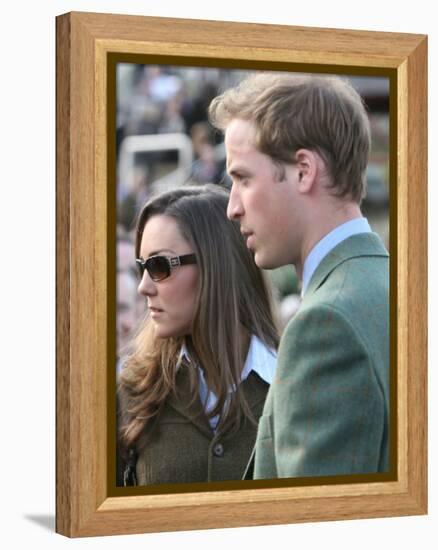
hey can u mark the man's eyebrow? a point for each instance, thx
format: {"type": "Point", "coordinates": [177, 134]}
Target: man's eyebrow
{"type": "Point", "coordinates": [238, 171]}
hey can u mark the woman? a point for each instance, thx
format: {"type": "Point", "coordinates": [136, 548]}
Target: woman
{"type": "Point", "coordinates": [193, 387]}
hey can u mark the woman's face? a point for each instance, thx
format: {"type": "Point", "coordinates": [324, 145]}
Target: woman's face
{"type": "Point", "coordinates": [172, 301]}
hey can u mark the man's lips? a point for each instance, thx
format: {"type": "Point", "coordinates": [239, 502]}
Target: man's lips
{"type": "Point", "coordinates": [247, 236]}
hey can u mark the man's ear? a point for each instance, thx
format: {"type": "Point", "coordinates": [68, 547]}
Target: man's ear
{"type": "Point", "coordinates": [307, 165]}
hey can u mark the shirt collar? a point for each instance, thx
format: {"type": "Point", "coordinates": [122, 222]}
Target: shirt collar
{"type": "Point", "coordinates": [260, 359]}
{"type": "Point", "coordinates": [328, 243]}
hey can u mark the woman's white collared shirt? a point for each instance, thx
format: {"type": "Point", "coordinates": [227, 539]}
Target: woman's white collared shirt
{"type": "Point", "coordinates": [260, 359]}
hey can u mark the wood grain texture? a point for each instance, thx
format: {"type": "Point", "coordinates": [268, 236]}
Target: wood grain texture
{"type": "Point", "coordinates": [402, 294]}
{"type": "Point", "coordinates": [248, 35]}
{"type": "Point", "coordinates": [63, 404]}
{"type": "Point", "coordinates": [83, 42]}
{"type": "Point", "coordinates": [417, 273]}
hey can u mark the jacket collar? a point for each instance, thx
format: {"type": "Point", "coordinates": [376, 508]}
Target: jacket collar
{"type": "Point", "coordinates": [360, 245]}
{"type": "Point", "coordinates": [329, 242]}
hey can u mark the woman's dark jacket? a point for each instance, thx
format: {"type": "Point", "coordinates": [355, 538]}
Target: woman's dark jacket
{"type": "Point", "coordinates": [183, 448]}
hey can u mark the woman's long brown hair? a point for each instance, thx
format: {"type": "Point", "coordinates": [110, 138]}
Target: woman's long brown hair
{"type": "Point", "coordinates": [233, 303]}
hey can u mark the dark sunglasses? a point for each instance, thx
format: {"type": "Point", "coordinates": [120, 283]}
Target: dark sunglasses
{"type": "Point", "coordinates": [160, 267]}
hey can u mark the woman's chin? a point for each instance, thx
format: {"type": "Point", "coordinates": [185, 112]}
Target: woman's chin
{"type": "Point", "coordinates": [163, 332]}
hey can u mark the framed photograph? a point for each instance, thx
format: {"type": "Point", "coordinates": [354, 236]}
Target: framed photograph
{"type": "Point", "coordinates": [116, 145]}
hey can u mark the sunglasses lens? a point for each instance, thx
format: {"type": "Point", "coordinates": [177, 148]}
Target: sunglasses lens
{"type": "Point", "coordinates": [158, 268]}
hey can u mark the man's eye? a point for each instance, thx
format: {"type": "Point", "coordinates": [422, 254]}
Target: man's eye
{"type": "Point", "coordinates": [240, 181]}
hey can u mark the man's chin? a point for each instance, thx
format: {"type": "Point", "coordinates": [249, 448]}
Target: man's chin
{"type": "Point", "coordinates": [261, 261]}
{"type": "Point", "coordinates": [264, 261]}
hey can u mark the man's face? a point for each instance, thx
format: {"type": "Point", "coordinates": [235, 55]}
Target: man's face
{"type": "Point", "coordinates": [266, 206]}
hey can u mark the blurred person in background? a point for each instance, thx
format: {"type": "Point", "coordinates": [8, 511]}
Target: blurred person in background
{"type": "Point", "coordinates": [131, 196]}
{"type": "Point", "coordinates": [297, 150]}
{"type": "Point", "coordinates": [125, 250]}
{"type": "Point", "coordinates": [205, 168]}
{"type": "Point", "coordinates": [126, 311]}
{"type": "Point", "coordinates": [195, 379]}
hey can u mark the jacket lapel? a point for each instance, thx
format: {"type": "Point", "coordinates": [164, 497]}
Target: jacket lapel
{"type": "Point", "coordinates": [183, 403]}
{"type": "Point", "coordinates": [255, 394]}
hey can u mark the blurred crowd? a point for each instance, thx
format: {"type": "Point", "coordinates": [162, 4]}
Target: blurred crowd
{"type": "Point", "coordinates": [164, 140]}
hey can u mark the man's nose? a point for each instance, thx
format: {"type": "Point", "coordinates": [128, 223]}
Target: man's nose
{"type": "Point", "coordinates": [235, 208]}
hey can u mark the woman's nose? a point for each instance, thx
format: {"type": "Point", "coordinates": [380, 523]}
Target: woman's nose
{"type": "Point", "coordinates": [147, 286]}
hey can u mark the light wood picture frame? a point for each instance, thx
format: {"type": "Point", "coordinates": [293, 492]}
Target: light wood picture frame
{"type": "Point", "coordinates": [87, 45]}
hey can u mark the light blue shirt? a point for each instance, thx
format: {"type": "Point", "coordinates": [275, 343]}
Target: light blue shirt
{"type": "Point", "coordinates": [260, 358]}
{"type": "Point", "coordinates": [328, 243]}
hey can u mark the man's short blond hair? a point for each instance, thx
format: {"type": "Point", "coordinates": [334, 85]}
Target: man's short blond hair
{"type": "Point", "coordinates": [290, 112]}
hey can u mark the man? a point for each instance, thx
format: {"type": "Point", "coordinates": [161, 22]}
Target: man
{"type": "Point", "coordinates": [297, 150]}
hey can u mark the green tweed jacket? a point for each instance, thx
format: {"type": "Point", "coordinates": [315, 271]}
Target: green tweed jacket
{"type": "Point", "coordinates": [327, 411]}
{"type": "Point", "coordinates": [184, 449]}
